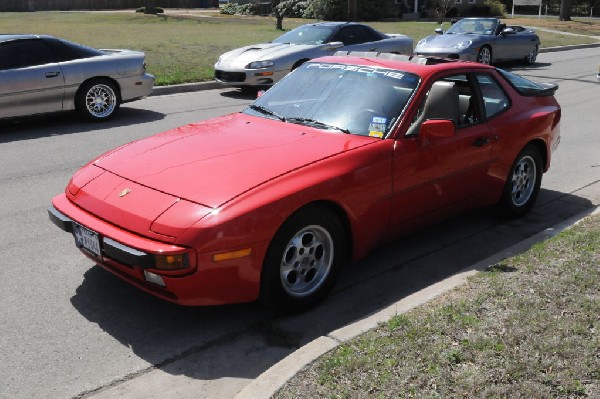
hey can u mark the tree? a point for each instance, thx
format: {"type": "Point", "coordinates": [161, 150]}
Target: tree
{"type": "Point", "coordinates": [150, 7]}
{"type": "Point", "coordinates": [282, 8]}
{"type": "Point", "coordinates": [441, 8]}
{"type": "Point", "coordinates": [565, 10]}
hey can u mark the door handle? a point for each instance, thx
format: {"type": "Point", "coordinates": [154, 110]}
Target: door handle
{"type": "Point", "coordinates": [52, 74]}
{"type": "Point", "coordinates": [480, 141]}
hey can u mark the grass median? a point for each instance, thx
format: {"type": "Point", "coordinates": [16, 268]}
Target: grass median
{"type": "Point", "coordinates": [183, 47]}
{"type": "Point", "coordinates": [529, 327]}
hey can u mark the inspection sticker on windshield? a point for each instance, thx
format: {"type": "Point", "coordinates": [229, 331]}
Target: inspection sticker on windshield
{"type": "Point", "coordinates": [377, 126]}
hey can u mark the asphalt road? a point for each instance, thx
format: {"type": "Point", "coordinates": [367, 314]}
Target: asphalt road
{"type": "Point", "coordinates": [68, 329]}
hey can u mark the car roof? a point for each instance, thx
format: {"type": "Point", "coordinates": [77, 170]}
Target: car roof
{"type": "Point", "coordinates": [17, 36]}
{"type": "Point", "coordinates": [421, 66]}
{"type": "Point", "coordinates": [334, 24]}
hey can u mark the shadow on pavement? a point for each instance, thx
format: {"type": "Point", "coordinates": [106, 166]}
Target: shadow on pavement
{"type": "Point", "coordinates": [68, 123]}
{"type": "Point", "coordinates": [227, 341]}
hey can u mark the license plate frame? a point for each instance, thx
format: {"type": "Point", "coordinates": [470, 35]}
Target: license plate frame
{"type": "Point", "coordinates": [87, 239]}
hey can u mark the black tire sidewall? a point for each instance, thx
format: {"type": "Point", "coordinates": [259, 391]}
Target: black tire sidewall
{"type": "Point", "coordinates": [479, 54]}
{"type": "Point", "coordinates": [272, 292]}
{"type": "Point", "coordinates": [509, 208]}
{"type": "Point", "coordinates": [80, 104]}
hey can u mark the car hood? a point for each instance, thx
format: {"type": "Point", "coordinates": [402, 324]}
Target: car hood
{"type": "Point", "coordinates": [446, 41]}
{"type": "Point", "coordinates": [265, 51]}
{"type": "Point", "coordinates": [212, 162]}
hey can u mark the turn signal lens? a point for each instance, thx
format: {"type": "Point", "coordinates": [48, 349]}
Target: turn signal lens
{"type": "Point", "coordinates": [232, 255]}
{"type": "Point", "coordinates": [171, 262]}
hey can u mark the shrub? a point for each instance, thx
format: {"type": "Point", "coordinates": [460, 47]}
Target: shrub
{"type": "Point", "coordinates": [159, 10]}
{"type": "Point", "coordinates": [238, 9]}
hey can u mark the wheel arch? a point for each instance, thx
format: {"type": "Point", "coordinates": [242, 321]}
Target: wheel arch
{"type": "Point", "coordinates": [542, 148]}
{"type": "Point", "coordinates": [108, 78]}
{"type": "Point", "coordinates": [337, 210]}
{"type": "Point", "coordinates": [299, 62]}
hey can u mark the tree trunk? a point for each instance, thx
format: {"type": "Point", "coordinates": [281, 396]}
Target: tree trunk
{"type": "Point", "coordinates": [352, 8]}
{"type": "Point", "coordinates": [565, 10]}
{"type": "Point", "coordinates": [279, 22]}
{"type": "Point", "coordinates": [150, 7]}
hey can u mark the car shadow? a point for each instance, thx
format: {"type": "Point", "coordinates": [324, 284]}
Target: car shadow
{"type": "Point", "coordinates": [240, 94]}
{"type": "Point", "coordinates": [165, 335]}
{"type": "Point", "coordinates": [61, 123]}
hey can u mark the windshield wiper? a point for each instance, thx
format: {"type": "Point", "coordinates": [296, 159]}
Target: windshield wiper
{"type": "Point", "coordinates": [266, 111]}
{"type": "Point", "coordinates": [316, 123]}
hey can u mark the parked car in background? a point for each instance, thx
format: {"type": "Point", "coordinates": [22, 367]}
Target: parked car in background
{"type": "Point", "coordinates": [41, 74]}
{"type": "Point", "coordinates": [344, 153]}
{"type": "Point", "coordinates": [484, 40]}
{"type": "Point", "coordinates": [262, 65]}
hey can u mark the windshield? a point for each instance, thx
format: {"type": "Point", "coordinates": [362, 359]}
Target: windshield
{"type": "Point", "coordinates": [306, 34]}
{"type": "Point", "coordinates": [337, 97]}
{"type": "Point", "coordinates": [479, 26]}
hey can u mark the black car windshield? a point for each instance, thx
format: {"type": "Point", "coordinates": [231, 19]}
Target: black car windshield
{"type": "Point", "coordinates": [478, 26]}
{"type": "Point", "coordinates": [307, 34]}
{"type": "Point", "coordinates": [339, 98]}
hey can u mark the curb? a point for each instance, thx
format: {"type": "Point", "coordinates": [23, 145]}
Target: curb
{"type": "Point", "coordinates": [269, 382]}
{"type": "Point", "coordinates": [186, 88]}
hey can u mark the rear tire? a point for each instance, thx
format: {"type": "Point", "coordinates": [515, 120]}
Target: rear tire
{"type": "Point", "coordinates": [523, 183]}
{"type": "Point", "coordinates": [97, 100]}
{"type": "Point", "coordinates": [532, 56]}
{"type": "Point", "coordinates": [303, 260]}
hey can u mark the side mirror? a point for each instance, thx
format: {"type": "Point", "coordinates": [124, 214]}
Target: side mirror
{"type": "Point", "coordinates": [334, 45]}
{"type": "Point", "coordinates": [508, 31]}
{"type": "Point", "coordinates": [437, 129]}
{"type": "Point", "coordinates": [439, 31]}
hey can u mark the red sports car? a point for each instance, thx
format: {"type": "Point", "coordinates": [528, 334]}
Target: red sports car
{"type": "Point", "coordinates": [344, 153]}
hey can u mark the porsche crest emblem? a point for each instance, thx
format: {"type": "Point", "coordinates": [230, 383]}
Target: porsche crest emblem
{"type": "Point", "coordinates": [124, 192]}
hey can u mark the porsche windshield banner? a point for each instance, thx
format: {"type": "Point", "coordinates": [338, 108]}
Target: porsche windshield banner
{"type": "Point", "coordinates": [360, 69]}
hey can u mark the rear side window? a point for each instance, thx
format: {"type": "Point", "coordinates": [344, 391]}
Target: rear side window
{"type": "Point", "coordinates": [526, 87]}
{"type": "Point", "coordinates": [68, 51]}
{"type": "Point", "coordinates": [494, 99]}
{"type": "Point", "coordinates": [24, 53]}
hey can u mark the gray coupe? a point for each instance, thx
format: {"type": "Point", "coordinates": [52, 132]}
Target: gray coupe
{"type": "Point", "coordinates": [484, 40]}
{"type": "Point", "coordinates": [262, 65]}
{"type": "Point", "coordinates": [41, 74]}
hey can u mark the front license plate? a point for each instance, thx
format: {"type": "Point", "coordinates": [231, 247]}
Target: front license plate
{"type": "Point", "coordinates": [87, 239]}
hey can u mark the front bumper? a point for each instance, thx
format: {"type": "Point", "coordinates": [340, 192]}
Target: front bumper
{"type": "Point", "coordinates": [129, 256]}
{"type": "Point", "coordinates": [248, 77]}
{"type": "Point", "coordinates": [464, 55]}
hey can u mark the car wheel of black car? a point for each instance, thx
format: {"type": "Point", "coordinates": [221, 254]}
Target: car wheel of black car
{"type": "Point", "coordinates": [485, 55]}
{"type": "Point", "coordinates": [303, 260]}
{"type": "Point", "coordinates": [532, 56]}
{"type": "Point", "coordinates": [523, 183]}
{"type": "Point", "coordinates": [97, 100]}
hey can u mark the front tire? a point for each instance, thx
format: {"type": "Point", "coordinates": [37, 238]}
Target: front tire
{"type": "Point", "coordinates": [523, 184]}
{"type": "Point", "coordinates": [97, 100]}
{"type": "Point", "coordinates": [485, 55]}
{"type": "Point", "coordinates": [303, 260]}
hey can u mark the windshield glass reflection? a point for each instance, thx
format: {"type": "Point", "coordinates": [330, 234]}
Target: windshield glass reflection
{"type": "Point", "coordinates": [338, 97]}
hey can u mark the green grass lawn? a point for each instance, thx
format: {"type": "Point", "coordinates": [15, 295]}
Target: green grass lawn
{"type": "Point", "coordinates": [528, 327]}
{"type": "Point", "coordinates": [181, 50]}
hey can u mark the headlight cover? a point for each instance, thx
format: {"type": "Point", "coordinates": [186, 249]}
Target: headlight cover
{"type": "Point", "coordinates": [421, 42]}
{"type": "Point", "coordinates": [260, 64]}
{"type": "Point", "coordinates": [462, 45]}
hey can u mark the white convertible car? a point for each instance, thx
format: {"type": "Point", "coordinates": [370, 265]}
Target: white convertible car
{"type": "Point", "coordinates": [262, 65]}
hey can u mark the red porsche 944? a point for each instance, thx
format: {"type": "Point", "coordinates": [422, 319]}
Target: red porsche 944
{"type": "Point", "coordinates": [344, 153]}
